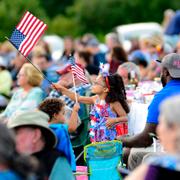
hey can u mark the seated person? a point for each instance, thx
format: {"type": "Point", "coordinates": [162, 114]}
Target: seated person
{"type": "Point", "coordinates": [84, 58]}
{"type": "Point", "coordinates": [125, 70]}
{"type": "Point", "coordinates": [143, 67]}
{"type": "Point", "coordinates": [116, 57]}
{"type": "Point", "coordinates": [27, 96]}
{"type": "Point", "coordinates": [35, 138]}
{"type": "Point", "coordinates": [55, 109]}
{"type": "Point", "coordinates": [13, 165]}
{"type": "Point", "coordinates": [92, 46]}
{"type": "Point", "coordinates": [5, 83]}
{"type": "Point", "coordinates": [44, 61]}
{"type": "Point", "coordinates": [170, 77]}
{"type": "Point", "coordinates": [168, 132]}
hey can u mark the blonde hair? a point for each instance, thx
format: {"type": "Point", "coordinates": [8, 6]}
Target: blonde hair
{"type": "Point", "coordinates": [38, 51]}
{"type": "Point", "coordinates": [34, 77]}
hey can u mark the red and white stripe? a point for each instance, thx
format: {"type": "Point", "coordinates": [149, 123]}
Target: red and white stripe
{"type": "Point", "coordinates": [78, 72]}
{"type": "Point", "coordinates": [32, 28]}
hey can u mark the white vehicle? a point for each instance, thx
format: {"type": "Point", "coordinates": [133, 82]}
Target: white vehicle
{"type": "Point", "coordinates": [133, 31]}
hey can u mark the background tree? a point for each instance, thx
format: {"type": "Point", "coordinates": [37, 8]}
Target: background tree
{"type": "Point", "coordinates": [12, 11]}
{"type": "Point", "coordinates": [55, 7]}
{"type": "Point", "coordinates": [76, 17]}
{"type": "Point", "coordinates": [101, 16]}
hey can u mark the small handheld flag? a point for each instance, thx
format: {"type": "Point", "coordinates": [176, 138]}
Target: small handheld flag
{"type": "Point", "coordinates": [25, 36]}
{"type": "Point", "coordinates": [27, 33]}
{"type": "Point", "coordinates": [78, 71]}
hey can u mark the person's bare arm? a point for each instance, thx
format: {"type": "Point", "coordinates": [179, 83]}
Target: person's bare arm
{"type": "Point", "coordinates": [121, 115]}
{"type": "Point", "coordinates": [140, 140]}
{"type": "Point", "coordinates": [71, 95]}
{"type": "Point", "coordinates": [73, 121]}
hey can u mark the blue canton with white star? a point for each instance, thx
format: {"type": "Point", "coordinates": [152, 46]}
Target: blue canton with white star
{"type": "Point", "coordinates": [17, 38]}
{"type": "Point", "coordinates": [72, 61]}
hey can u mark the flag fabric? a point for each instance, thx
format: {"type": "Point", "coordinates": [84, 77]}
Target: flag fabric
{"type": "Point", "coordinates": [27, 33]}
{"type": "Point", "coordinates": [78, 71]}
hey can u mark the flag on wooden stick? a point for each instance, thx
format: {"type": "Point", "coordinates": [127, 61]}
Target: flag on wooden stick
{"type": "Point", "coordinates": [78, 71]}
{"type": "Point", "coordinates": [27, 33]}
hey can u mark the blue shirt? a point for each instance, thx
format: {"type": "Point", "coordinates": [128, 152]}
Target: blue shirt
{"type": "Point", "coordinates": [171, 88]}
{"type": "Point", "coordinates": [174, 25]}
{"type": "Point", "coordinates": [99, 58]}
{"type": "Point", "coordinates": [9, 175]}
{"type": "Point", "coordinates": [64, 144]}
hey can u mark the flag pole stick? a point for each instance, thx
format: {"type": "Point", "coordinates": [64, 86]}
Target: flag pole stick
{"type": "Point", "coordinates": [73, 82]}
{"type": "Point", "coordinates": [43, 75]}
{"type": "Point", "coordinates": [74, 87]}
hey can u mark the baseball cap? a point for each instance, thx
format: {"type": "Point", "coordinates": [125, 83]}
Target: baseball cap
{"type": "Point", "coordinates": [93, 42]}
{"type": "Point", "coordinates": [172, 63]}
{"type": "Point", "coordinates": [65, 69]}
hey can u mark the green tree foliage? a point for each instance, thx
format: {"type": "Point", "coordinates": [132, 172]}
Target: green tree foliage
{"type": "Point", "coordinates": [101, 16]}
{"type": "Point", "coordinates": [76, 17]}
{"type": "Point", "coordinates": [64, 26]}
{"type": "Point", "coordinates": [12, 11]}
{"type": "Point", "coordinates": [55, 7]}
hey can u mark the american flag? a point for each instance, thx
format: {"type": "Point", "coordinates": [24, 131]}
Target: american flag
{"type": "Point", "coordinates": [27, 33]}
{"type": "Point", "coordinates": [78, 71]}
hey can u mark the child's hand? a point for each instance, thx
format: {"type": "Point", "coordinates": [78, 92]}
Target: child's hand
{"type": "Point", "coordinates": [110, 122]}
{"type": "Point", "coordinates": [76, 107]}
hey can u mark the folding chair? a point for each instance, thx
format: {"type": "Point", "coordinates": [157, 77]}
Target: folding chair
{"type": "Point", "coordinates": [102, 160]}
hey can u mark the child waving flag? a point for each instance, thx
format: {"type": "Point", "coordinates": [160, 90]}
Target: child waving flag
{"type": "Point", "coordinates": [110, 106]}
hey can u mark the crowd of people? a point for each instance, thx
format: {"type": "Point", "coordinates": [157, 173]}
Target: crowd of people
{"type": "Point", "coordinates": [42, 117]}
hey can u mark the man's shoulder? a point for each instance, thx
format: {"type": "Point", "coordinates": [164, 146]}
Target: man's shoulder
{"type": "Point", "coordinates": [167, 91]}
{"type": "Point", "coordinates": [59, 127]}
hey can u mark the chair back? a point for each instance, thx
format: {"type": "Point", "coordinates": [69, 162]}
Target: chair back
{"type": "Point", "coordinates": [102, 159]}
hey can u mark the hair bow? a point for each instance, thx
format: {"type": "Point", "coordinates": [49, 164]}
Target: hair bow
{"type": "Point", "coordinates": [104, 71]}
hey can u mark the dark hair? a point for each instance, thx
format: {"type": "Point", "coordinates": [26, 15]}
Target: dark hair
{"type": "Point", "coordinates": [22, 165]}
{"type": "Point", "coordinates": [117, 91]}
{"type": "Point", "coordinates": [2, 67]}
{"type": "Point", "coordinates": [85, 55]}
{"type": "Point", "coordinates": [51, 106]}
{"type": "Point", "coordinates": [140, 62]}
{"type": "Point", "coordinates": [119, 54]}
